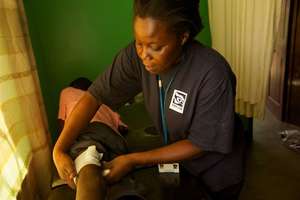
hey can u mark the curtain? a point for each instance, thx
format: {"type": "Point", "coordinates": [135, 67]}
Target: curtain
{"type": "Point", "coordinates": [245, 32]}
{"type": "Point", "coordinates": [24, 139]}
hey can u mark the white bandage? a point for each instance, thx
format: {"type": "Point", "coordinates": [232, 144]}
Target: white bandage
{"type": "Point", "coordinates": [88, 157]}
{"type": "Point", "coordinates": [105, 172]}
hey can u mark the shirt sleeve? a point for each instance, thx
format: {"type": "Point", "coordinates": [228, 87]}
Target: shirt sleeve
{"type": "Point", "coordinates": [212, 127]}
{"type": "Point", "coordinates": [62, 106]}
{"type": "Point", "coordinates": [116, 118]}
{"type": "Point", "coordinates": [120, 82]}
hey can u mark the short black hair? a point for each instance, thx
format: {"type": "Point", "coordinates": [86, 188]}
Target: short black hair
{"type": "Point", "coordinates": [81, 83]}
{"type": "Point", "coordinates": [181, 15]}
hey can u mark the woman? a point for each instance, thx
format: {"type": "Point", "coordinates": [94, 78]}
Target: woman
{"type": "Point", "coordinates": [189, 91]}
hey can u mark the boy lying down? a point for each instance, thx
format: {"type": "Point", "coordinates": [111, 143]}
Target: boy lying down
{"type": "Point", "coordinates": [101, 140]}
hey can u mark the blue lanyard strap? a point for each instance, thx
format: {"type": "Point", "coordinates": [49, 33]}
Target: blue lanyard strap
{"type": "Point", "coordinates": [162, 110]}
{"type": "Point", "coordinates": [162, 105]}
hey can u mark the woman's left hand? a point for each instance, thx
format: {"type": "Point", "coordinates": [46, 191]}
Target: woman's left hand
{"type": "Point", "coordinates": [118, 167]}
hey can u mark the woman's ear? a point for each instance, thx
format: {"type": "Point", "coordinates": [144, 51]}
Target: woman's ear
{"type": "Point", "coordinates": [185, 37]}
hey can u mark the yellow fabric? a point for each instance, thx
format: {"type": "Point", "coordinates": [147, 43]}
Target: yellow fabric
{"type": "Point", "coordinates": [24, 140]}
{"type": "Point", "coordinates": [244, 32]}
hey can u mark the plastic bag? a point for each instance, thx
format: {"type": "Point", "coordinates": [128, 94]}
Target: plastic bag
{"type": "Point", "coordinates": [291, 139]}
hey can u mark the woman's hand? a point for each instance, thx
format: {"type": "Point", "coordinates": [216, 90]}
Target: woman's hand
{"type": "Point", "coordinates": [65, 167]}
{"type": "Point", "coordinates": [119, 167]}
{"type": "Point", "coordinates": [178, 151]}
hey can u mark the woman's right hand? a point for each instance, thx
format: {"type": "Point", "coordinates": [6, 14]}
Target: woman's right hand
{"type": "Point", "coordinates": [65, 167]}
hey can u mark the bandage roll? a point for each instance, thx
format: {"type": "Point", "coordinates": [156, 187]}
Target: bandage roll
{"type": "Point", "coordinates": [89, 156]}
{"type": "Point", "coordinates": [105, 172]}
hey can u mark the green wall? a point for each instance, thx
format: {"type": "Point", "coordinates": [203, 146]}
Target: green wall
{"type": "Point", "coordinates": [73, 38]}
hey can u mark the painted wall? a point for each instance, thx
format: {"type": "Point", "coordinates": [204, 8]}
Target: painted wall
{"type": "Point", "coordinates": [73, 38]}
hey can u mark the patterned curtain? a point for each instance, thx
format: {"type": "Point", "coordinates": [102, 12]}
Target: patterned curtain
{"type": "Point", "coordinates": [245, 32]}
{"type": "Point", "coordinates": [25, 163]}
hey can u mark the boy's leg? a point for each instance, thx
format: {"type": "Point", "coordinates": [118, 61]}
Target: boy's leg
{"type": "Point", "coordinates": [90, 183]}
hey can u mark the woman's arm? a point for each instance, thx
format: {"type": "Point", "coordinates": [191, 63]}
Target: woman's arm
{"type": "Point", "coordinates": [80, 116]}
{"type": "Point", "coordinates": [178, 151]}
{"type": "Point", "coordinates": [78, 119]}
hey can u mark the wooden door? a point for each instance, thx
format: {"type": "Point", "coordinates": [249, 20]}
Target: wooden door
{"type": "Point", "coordinates": [276, 90]}
{"type": "Point", "coordinates": [292, 111]}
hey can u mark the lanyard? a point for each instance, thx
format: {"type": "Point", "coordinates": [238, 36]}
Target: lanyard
{"type": "Point", "coordinates": [162, 105]}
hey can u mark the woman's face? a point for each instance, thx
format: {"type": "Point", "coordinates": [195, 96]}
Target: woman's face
{"type": "Point", "coordinates": [157, 47]}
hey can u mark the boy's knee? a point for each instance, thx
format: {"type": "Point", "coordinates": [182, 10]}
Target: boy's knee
{"type": "Point", "coordinates": [90, 174]}
{"type": "Point", "coordinates": [90, 183]}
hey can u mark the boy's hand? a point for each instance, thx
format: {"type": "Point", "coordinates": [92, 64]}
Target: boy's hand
{"type": "Point", "coordinates": [65, 167]}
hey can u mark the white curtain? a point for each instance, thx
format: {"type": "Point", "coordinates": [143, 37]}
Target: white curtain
{"type": "Point", "coordinates": [245, 32]}
{"type": "Point", "coordinates": [25, 156]}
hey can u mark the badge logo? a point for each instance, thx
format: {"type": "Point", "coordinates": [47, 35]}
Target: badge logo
{"type": "Point", "coordinates": [178, 101]}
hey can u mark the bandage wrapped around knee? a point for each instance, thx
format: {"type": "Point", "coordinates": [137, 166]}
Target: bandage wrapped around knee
{"type": "Point", "coordinates": [89, 157]}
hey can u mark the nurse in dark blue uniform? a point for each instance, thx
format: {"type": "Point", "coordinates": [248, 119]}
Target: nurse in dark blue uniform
{"type": "Point", "coordinates": [189, 92]}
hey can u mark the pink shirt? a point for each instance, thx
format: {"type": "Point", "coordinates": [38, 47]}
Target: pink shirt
{"type": "Point", "coordinates": [69, 98]}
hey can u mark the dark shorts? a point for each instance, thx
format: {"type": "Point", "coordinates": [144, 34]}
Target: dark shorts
{"type": "Point", "coordinates": [106, 140]}
{"type": "Point", "coordinates": [111, 144]}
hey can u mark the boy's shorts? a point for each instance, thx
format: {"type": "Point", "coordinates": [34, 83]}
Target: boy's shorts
{"type": "Point", "coordinates": [97, 143]}
{"type": "Point", "coordinates": [106, 140]}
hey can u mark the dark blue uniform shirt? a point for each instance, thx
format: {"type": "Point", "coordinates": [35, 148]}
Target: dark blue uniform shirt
{"type": "Point", "coordinates": [199, 106]}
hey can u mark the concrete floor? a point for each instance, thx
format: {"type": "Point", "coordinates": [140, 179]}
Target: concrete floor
{"type": "Point", "coordinates": [273, 171]}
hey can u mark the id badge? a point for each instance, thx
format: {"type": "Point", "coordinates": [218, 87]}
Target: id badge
{"type": "Point", "coordinates": [168, 168]}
